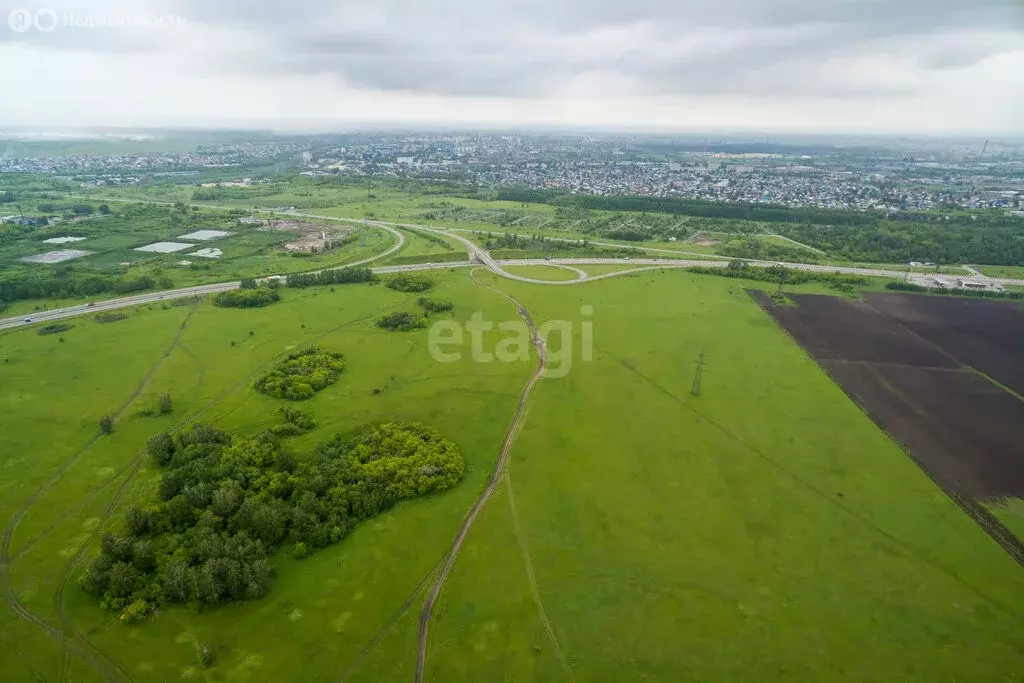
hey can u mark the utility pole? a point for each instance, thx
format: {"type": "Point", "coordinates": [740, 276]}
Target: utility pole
{"type": "Point", "coordinates": [695, 389]}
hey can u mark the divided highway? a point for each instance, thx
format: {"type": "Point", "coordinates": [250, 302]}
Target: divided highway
{"type": "Point", "coordinates": [479, 257]}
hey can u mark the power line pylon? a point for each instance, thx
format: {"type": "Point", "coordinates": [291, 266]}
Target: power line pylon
{"type": "Point", "coordinates": [698, 376]}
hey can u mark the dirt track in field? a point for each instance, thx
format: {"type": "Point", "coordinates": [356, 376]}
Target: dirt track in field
{"type": "Point", "coordinates": [499, 470]}
{"type": "Point", "coordinates": [919, 366]}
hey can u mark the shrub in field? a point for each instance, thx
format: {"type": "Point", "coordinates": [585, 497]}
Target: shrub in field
{"type": "Point", "coordinates": [905, 287]}
{"type": "Point", "coordinates": [247, 298]}
{"type": "Point", "coordinates": [404, 282]}
{"type": "Point", "coordinates": [225, 504]}
{"type": "Point", "coordinates": [106, 424]}
{"type": "Point", "coordinates": [302, 374]}
{"type": "Point", "coordinates": [111, 317]}
{"type": "Point", "coordinates": [295, 423]}
{"type": "Point", "coordinates": [188, 301]}
{"type": "Point", "coordinates": [434, 306]}
{"type": "Point", "coordinates": [136, 611]}
{"type": "Point", "coordinates": [402, 322]}
{"type": "Point", "coordinates": [205, 656]}
{"type": "Point", "coordinates": [55, 328]}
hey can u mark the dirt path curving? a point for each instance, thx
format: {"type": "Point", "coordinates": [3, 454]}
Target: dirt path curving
{"type": "Point", "coordinates": [488, 492]}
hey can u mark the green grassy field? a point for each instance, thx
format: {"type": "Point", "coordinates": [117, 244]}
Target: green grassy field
{"type": "Point", "coordinates": [543, 272]}
{"type": "Point", "coordinates": [1013, 272]}
{"type": "Point", "coordinates": [765, 530]}
{"type": "Point", "coordinates": [345, 591]}
{"type": "Point", "coordinates": [593, 270]}
{"type": "Point", "coordinates": [423, 247]}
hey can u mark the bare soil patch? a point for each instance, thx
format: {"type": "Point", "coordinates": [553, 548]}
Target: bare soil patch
{"type": "Point", "coordinates": [907, 359]}
{"type": "Point", "coordinates": [959, 427]}
{"type": "Point", "coordinates": [833, 328]}
{"type": "Point", "coordinates": [984, 334]}
{"type": "Point", "coordinates": [703, 240]}
{"type": "Point", "coordinates": [312, 237]}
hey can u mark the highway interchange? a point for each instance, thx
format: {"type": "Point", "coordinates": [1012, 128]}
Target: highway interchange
{"type": "Point", "coordinates": [477, 256]}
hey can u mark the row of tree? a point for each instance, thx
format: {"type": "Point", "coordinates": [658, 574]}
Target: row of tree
{"type": "Point", "coordinates": [784, 276]}
{"type": "Point", "coordinates": [339, 276]}
{"type": "Point", "coordinates": [66, 284]}
{"type": "Point", "coordinates": [225, 504]}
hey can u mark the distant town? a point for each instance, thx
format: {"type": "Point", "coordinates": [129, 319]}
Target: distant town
{"type": "Point", "coordinates": [899, 175]}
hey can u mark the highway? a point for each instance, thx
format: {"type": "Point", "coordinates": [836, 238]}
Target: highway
{"type": "Point", "coordinates": [479, 257]}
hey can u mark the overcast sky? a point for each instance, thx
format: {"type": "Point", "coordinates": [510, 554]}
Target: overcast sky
{"type": "Point", "coordinates": [927, 66]}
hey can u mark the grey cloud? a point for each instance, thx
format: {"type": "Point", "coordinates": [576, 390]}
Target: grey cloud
{"type": "Point", "coordinates": [526, 47]}
{"type": "Point", "coordinates": [458, 47]}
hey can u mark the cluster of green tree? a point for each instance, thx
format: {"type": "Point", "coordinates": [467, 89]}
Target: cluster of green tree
{"type": "Point", "coordinates": [225, 504]}
{"type": "Point", "coordinates": [402, 321]}
{"type": "Point", "coordinates": [11, 233]}
{"type": "Point", "coordinates": [988, 237]}
{"type": "Point", "coordinates": [302, 374]}
{"type": "Point", "coordinates": [296, 422]}
{"type": "Point", "coordinates": [763, 250]}
{"type": "Point", "coordinates": [340, 276]}
{"type": "Point", "coordinates": [54, 328]}
{"type": "Point", "coordinates": [979, 293]}
{"type": "Point", "coordinates": [780, 274]}
{"type": "Point", "coordinates": [406, 282]}
{"type": "Point", "coordinates": [103, 318]}
{"type": "Point", "coordinates": [247, 298]}
{"type": "Point", "coordinates": [72, 209]}
{"type": "Point", "coordinates": [511, 240]}
{"type": "Point", "coordinates": [903, 242]}
{"type": "Point", "coordinates": [64, 283]}
{"type": "Point", "coordinates": [691, 207]}
{"type": "Point", "coordinates": [434, 306]}
{"type": "Point", "coordinates": [626, 235]}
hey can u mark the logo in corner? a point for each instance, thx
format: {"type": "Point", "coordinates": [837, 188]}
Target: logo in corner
{"type": "Point", "coordinates": [20, 20]}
